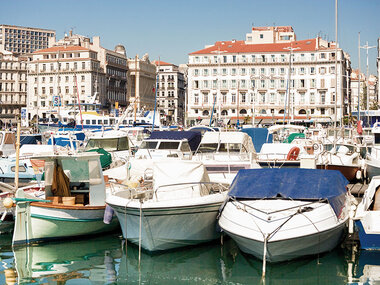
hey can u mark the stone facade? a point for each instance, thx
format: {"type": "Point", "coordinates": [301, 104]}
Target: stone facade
{"type": "Point", "coordinates": [252, 79]}
{"type": "Point", "coordinates": [13, 86]}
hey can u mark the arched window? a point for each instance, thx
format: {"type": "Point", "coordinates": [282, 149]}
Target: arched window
{"type": "Point", "coordinates": [205, 113]}
{"type": "Point", "coordinates": [302, 112]}
{"type": "Point", "coordinates": [224, 113]}
{"type": "Point", "coordinates": [243, 111]}
{"type": "Point", "coordinates": [263, 111]}
{"type": "Point", "coordinates": [281, 111]}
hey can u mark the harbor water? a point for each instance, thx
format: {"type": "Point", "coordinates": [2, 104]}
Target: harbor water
{"type": "Point", "coordinates": [109, 260]}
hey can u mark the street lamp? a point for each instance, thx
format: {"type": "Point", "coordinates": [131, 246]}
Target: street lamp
{"type": "Point", "coordinates": [367, 48]}
{"type": "Point", "coordinates": [287, 96]}
{"type": "Point", "coordinates": [219, 52]}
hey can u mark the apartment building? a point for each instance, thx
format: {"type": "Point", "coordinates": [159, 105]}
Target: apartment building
{"type": "Point", "coordinates": [13, 82]}
{"type": "Point", "coordinates": [357, 89]}
{"type": "Point", "coordinates": [61, 77]}
{"type": "Point", "coordinates": [267, 76]}
{"type": "Point", "coordinates": [141, 82]}
{"type": "Point", "coordinates": [170, 93]}
{"type": "Point", "coordinates": [23, 40]}
{"type": "Point", "coordinates": [113, 64]}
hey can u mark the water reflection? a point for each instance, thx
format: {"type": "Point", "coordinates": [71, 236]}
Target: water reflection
{"type": "Point", "coordinates": [103, 260]}
{"type": "Point", "coordinates": [366, 269]}
{"type": "Point", "coordinates": [92, 259]}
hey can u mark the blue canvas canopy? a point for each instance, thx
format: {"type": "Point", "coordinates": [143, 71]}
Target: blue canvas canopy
{"type": "Point", "coordinates": [259, 136]}
{"type": "Point", "coordinates": [294, 183]}
{"type": "Point", "coordinates": [30, 139]}
{"type": "Point", "coordinates": [194, 138]}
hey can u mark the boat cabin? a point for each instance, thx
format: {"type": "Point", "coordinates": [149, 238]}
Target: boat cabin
{"type": "Point", "coordinates": [76, 176]}
{"type": "Point", "coordinates": [7, 143]}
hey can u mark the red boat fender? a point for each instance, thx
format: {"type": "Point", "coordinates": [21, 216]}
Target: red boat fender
{"type": "Point", "coordinates": [293, 153]}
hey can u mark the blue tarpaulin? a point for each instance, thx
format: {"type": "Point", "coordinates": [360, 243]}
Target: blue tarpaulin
{"type": "Point", "coordinates": [259, 136]}
{"type": "Point", "coordinates": [291, 183]}
{"type": "Point", "coordinates": [194, 138]}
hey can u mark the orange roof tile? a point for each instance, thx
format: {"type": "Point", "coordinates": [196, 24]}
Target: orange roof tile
{"type": "Point", "coordinates": [62, 48]}
{"type": "Point", "coordinates": [161, 63]}
{"type": "Point", "coordinates": [242, 47]}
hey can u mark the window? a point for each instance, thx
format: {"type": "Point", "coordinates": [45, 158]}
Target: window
{"type": "Point", "coordinates": [282, 83]}
{"type": "Point", "coordinates": [233, 83]}
{"type": "Point", "coordinates": [323, 111]}
{"type": "Point", "coordinates": [271, 84]}
{"type": "Point", "coordinates": [243, 97]}
{"type": "Point", "coordinates": [83, 65]}
{"type": "Point", "coordinates": [261, 36]}
{"type": "Point", "coordinates": [262, 70]}
{"type": "Point", "coordinates": [224, 58]}
{"type": "Point", "coordinates": [262, 83]}
{"type": "Point", "coordinates": [273, 58]}
{"type": "Point", "coordinates": [214, 71]}
{"type": "Point", "coordinates": [224, 98]}
{"type": "Point", "coordinates": [253, 83]}
{"type": "Point", "coordinates": [323, 98]}
{"type": "Point", "coordinates": [263, 58]}
{"type": "Point", "coordinates": [262, 97]}
{"type": "Point", "coordinates": [233, 71]}
{"type": "Point", "coordinates": [205, 98]}
{"type": "Point", "coordinates": [302, 83]}
{"type": "Point", "coordinates": [242, 71]}
{"type": "Point", "coordinates": [224, 83]}
{"type": "Point", "coordinates": [196, 99]}
{"type": "Point", "coordinates": [322, 55]}
{"type": "Point", "coordinates": [272, 97]}
{"type": "Point", "coordinates": [272, 71]}
{"type": "Point", "coordinates": [196, 72]}
{"type": "Point", "coordinates": [282, 70]}
{"type": "Point", "coordinates": [234, 58]}
{"type": "Point", "coordinates": [233, 98]}
{"type": "Point", "coordinates": [312, 97]}
{"type": "Point", "coordinates": [224, 71]}
{"type": "Point", "coordinates": [205, 83]}
{"type": "Point", "coordinates": [205, 72]}
{"type": "Point", "coordinates": [302, 98]}
{"type": "Point", "coordinates": [196, 84]}
{"type": "Point", "coordinates": [283, 58]}
{"type": "Point", "coordinates": [214, 84]}
{"type": "Point", "coordinates": [302, 70]}
{"type": "Point", "coordinates": [243, 84]}
{"type": "Point", "coordinates": [253, 58]}
{"type": "Point", "coordinates": [312, 70]}
{"type": "Point", "coordinates": [312, 83]}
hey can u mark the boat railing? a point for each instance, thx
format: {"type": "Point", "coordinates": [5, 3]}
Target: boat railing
{"type": "Point", "coordinates": [206, 188]}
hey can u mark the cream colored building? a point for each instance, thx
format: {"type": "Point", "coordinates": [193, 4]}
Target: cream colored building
{"type": "Point", "coordinates": [141, 82]}
{"type": "Point", "coordinates": [13, 82]}
{"type": "Point", "coordinates": [60, 78]}
{"type": "Point", "coordinates": [170, 93]}
{"type": "Point", "coordinates": [113, 63]}
{"type": "Point", "coordinates": [250, 79]}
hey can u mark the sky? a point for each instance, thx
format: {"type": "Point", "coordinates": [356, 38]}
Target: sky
{"type": "Point", "coordinates": [170, 30]}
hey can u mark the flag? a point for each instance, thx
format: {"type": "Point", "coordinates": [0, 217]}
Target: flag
{"type": "Point", "coordinates": [359, 128]}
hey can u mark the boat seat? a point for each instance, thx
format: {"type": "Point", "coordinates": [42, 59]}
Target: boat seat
{"type": "Point", "coordinates": [376, 200]}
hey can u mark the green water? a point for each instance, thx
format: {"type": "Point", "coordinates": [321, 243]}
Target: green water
{"type": "Point", "coordinates": [106, 260]}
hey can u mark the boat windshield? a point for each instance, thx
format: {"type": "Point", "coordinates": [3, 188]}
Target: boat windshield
{"type": "Point", "coordinates": [148, 144]}
{"type": "Point", "coordinates": [208, 147]}
{"type": "Point", "coordinates": [112, 144]}
{"type": "Point", "coordinates": [168, 145]}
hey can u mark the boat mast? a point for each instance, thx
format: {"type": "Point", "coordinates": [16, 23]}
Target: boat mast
{"type": "Point", "coordinates": [359, 79]}
{"type": "Point", "coordinates": [134, 110]}
{"type": "Point", "coordinates": [80, 111]}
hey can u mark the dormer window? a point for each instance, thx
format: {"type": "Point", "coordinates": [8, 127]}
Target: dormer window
{"type": "Point", "coordinates": [261, 36]}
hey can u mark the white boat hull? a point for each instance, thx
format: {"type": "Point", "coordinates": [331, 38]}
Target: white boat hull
{"type": "Point", "coordinates": [169, 227]}
{"type": "Point", "coordinates": [291, 248]}
{"type": "Point", "coordinates": [49, 223]}
{"type": "Point", "coordinates": [292, 228]}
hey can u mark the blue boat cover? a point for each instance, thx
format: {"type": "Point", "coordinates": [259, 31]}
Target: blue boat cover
{"type": "Point", "coordinates": [294, 183]}
{"type": "Point", "coordinates": [194, 138]}
{"type": "Point", "coordinates": [259, 136]}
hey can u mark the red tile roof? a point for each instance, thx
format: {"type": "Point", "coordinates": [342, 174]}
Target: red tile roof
{"type": "Point", "coordinates": [277, 28]}
{"type": "Point", "coordinates": [242, 47]}
{"type": "Point", "coordinates": [161, 63]}
{"type": "Point", "coordinates": [62, 48]}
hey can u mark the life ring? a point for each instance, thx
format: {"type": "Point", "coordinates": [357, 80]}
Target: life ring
{"type": "Point", "coordinates": [315, 146]}
{"type": "Point", "coordinates": [293, 153]}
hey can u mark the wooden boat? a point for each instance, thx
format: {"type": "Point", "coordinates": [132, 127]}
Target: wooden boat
{"type": "Point", "coordinates": [72, 201]}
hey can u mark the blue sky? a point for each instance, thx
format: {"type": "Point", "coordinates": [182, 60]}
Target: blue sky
{"type": "Point", "coordinates": [172, 29]}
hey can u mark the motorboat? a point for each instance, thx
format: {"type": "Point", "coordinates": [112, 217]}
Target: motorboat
{"type": "Point", "coordinates": [225, 153]}
{"type": "Point", "coordinates": [69, 202]}
{"type": "Point", "coordinates": [343, 157]}
{"type": "Point", "coordinates": [277, 214]}
{"type": "Point", "coordinates": [367, 216]}
{"type": "Point", "coordinates": [174, 144]}
{"type": "Point", "coordinates": [177, 208]}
